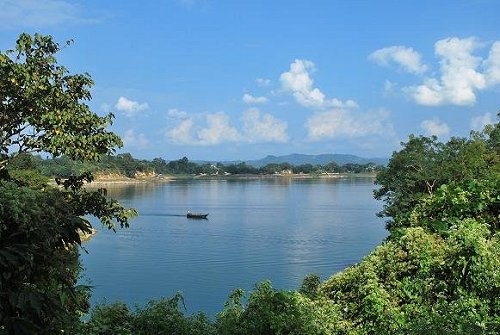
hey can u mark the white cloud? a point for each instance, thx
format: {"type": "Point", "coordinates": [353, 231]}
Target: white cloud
{"type": "Point", "coordinates": [181, 134]}
{"type": "Point", "coordinates": [390, 88]}
{"type": "Point", "coordinates": [131, 139]}
{"type": "Point", "coordinates": [129, 107]}
{"type": "Point", "coordinates": [345, 123]}
{"type": "Point", "coordinates": [259, 127]}
{"type": "Point", "coordinates": [218, 131]}
{"type": "Point", "coordinates": [255, 127]}
{"type": "Point", "coordinates": [435, 127]}
{"type": "Point", "coordinates": [262, 82]}
{"type": "Point", "coordinates": [36, 13]}
{"type": "Point", "coordinates": [478, 122]}
{"type": "Point", "coordinates": [408, 59]}
{"type": "Point", "coordinates": [251, 100]}
{"type": "Point", "coordinates": [298, 81]}
{"type": "Point", "coordinates": [492, 65]}
{"type": "Point", "coordinates": [175, 113]}
{"type": "Point", "coordinates": [429, 94]}
{"type": "Point", "coordinates": [459, 76]}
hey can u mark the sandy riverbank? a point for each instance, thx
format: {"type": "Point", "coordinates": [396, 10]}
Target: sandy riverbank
{"type": "Point", "coordinates": [113, 179]}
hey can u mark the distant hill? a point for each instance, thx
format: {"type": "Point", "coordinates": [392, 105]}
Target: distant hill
{"type": "Point", "coordinates": [298, 159]}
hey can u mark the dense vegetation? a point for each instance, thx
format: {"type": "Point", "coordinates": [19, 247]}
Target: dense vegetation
{"type": "Point", "coordinates": [42, 109]}
{"type": "Point", "coordinates": [437, 273]}
{"type": "Point", "coordinates": [126, 165]}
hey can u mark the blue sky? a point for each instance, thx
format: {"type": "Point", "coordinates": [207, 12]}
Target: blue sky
{"type": "Point", "coordinates": [224, 80]}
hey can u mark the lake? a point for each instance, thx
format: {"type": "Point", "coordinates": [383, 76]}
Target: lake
{"type": "Point", "coordinates": [279, 229]}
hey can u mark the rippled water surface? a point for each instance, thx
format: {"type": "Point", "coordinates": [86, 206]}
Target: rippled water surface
{"type": "Point", "coordinates": [277, 229]}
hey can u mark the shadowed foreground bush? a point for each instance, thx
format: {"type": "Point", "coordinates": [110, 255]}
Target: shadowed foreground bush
{"type": "Point", "coordinates": [163, 316]}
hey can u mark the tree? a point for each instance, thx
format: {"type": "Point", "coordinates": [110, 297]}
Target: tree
{"type": "Point", "coordinates": [424, 164]}
{"type": "Point", "coordinates": [42, 108]}
{"type": "Point", "coordinates": [162, 316]}
{"type": "Point", "coordinates": [181, 166]}
{"type": "Point", "coordinates": [127, 164]}
{"type": "Point", "coordinates": [472, 198]}
{"type": "Point", "coordinates": [271, 168]}
{"type": "Point", "coordinates": [423, 283]}
{"type": "Point", "coordinates": [159, 165]}
{"type": "Point", "coordinates": [303, 168]}
{"type": "Point", "coordinates": [332, 167]}
{"type": "Point", "coordinates": [269, 311]}
{"type": "Point", "coordinates": [240, 168]}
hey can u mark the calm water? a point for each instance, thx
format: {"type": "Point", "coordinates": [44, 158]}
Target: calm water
{"type": "Point", "coordinates": [276, 229]}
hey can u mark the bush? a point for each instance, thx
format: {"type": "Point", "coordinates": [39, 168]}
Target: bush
{"type": "Point", "coordinates": [271, 311]}
{"type": "Point", "coordinates": [162, 316]}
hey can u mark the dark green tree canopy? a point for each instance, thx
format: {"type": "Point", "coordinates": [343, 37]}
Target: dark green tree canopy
{"type": "Point", "coordinates": [42, 106]}
{"type": "Point", "coordinates": [43, 109]}
{"type": "Point", "coordinates": [424, 164]}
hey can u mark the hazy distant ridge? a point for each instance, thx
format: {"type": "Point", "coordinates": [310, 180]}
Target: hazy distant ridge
{"type": "Point", "coordinates": [298, 159]}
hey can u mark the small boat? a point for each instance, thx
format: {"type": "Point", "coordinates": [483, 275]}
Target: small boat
{"type": "Point", "coordinates": [196, 215]}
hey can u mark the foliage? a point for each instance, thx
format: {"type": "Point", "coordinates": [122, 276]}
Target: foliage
{"type": "Point", "coordinates": [64, 167]}
{"type": "Point", "coordinates": [478, 199]}
{"type": "Point", "coordinates": [23, 169]}
{"type": "Point", "coordinates": [39, 273]}
{"type": "Point", "coordinates": [30, 178]}
{"type": "Point", "coordinates": [126, 165]}
{"type": "Point", "coordinates": [421, 282]}
{"type": "Point", "coordinates": [272, 168]}
{"type": "Point", "coordinates": [268, 311]}
{"type": "Point", "coordinates": [38, 229]}
{"type": "Point", "coordinates": [424, 164]}
{"type": "Point", "coordinates": [112, 319]}
{"type": "Point", "coordinates": [438, 272]}
{"type": "Point", "coordinates": [42, 105]}
{"type": "Point", "coordinates": [42, 109]}
{"type": "Point", "coordinates": [271, 311]}
{"type": "Point", "coordinates": [163, 316]}
{"type": "Point", "coordinates": [310, 286]}
{"type": "Point", "coordinates": [25, 161]}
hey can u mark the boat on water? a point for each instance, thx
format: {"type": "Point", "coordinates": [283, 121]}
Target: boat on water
{"type": "Point", "coordinates": [191, 215]}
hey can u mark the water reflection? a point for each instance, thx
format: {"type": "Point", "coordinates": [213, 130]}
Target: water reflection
{"type": "Point", "coordinates": [280, 229]}
{"type": "Point", "coordinates": [126, 190]}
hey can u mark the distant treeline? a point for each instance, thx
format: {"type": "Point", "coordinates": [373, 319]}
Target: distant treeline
{"type": "Point", "coordinates": [125, 164]}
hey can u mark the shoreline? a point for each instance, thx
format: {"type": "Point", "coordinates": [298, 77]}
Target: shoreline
{"type": "Point", "coordinates": [287, 176]}
{"type": "Point", "coordinates": [122, 180]}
